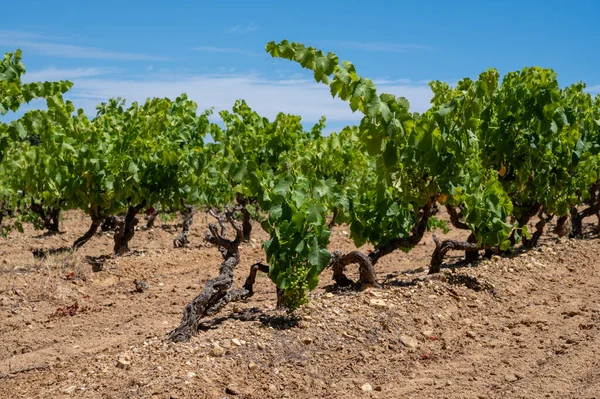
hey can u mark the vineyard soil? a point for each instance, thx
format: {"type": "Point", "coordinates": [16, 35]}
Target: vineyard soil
{"type": "Point", "coordinates": [85, 324]}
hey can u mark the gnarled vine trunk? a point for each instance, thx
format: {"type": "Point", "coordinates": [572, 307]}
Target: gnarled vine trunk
{"type": "Point", "coordinates": [217, 292]}
{"type": "Point", "coordinates": [152, 218]}
{"type": "Point", "coordinates": [243, 202]}
{"type": "Point", "coordinates": [367, 262]}
{"type": "Point", "coordinates": [183, 238]}
{"type": "Point", "coordinates": [456, 218]}
{"type": "Point", "coordinates": [96, 221]}
{"type": "Point", "coordinates": [442, 247]}
{"type": "Point", "coordinates": [126, 229]}
{"type": "Point", "coordinates": [246, 224]}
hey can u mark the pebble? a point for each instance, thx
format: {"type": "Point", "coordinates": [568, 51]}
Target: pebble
{"type": "Point", "coordinates": [378, 303]}
{"type": "Point", "coordinates": [236, 342]}
{"type": "Point", "coordinates": [427, 333]}
{"type": "Point", "coordinates": [307, 340]}
{"type": "Point", "coordinates": [510, 377]}
{"type": "Point", "coordinates": [471, 334]}
{"type": "Point", "coordinates": [252, 366]}
{"type": "Point", "coordinates": [232, 390]}
{"type": "Point", "coordinates": [409, 341]}
{"type": "Point", "coordinates": [366, 387]}
{"type": "Point", "coordinates": [70, 389]}
{"type": "Point", "coordinates": [217, 351]}
{"type": "Point", "coordinates": [123, 362]}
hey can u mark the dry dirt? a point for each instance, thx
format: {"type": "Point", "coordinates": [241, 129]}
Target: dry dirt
{"type": "Point", "coordinates": [526, 326]}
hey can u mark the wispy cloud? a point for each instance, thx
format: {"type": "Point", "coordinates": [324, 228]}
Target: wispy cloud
{"type": "Point", "coordinates": [388, 81]}
{"type": "Point", "coordinates": [593, 89]}
{"type": "Point", "coordinates": [295, 93]}
{"type": "Point", "coordinates": [379, 46]}
{"type": "Point", "coordinates": [251, 27]}
{"type": "Point", "coordinates": [226, 50]}
{"type": "Point", "coordinates": [41, 45]}
{"type": "Point", "coordinates": [53, 74]}
{"type": "Point", "coordinates": [300, 96]}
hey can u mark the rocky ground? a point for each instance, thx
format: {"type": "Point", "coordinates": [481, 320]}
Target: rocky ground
{"type": "Point", "coordinates": [74, 325]}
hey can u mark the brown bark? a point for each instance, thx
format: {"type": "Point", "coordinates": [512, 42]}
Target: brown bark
{"type": "Point", "coordinates": [367, 262]}
{"type": "Point", "coordinates": [366, 269]}
{"type": "Point", "coordinates": [472, 255]}
{"type": "Point", "coordinates": [183, 238]}
{"type": "Point", "coordinates": [246, 224]}
{"type": "Point", "coordinates": [455, 218]}
{"type": "Point", "coordinates": [442, 247]}
{"type": "Point", "coordinates": [152, 218]}
{"type": "Point", "coordinates": [217, 293]}
{"type": "Point", "coordinates": [96, 221]}
{"type": "Point", "coordinates": [126, 229]}
{"type": "Point", "coordinates": [246, 217]}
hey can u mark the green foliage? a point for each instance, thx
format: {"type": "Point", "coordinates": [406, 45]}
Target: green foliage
{"type": "Point", "coordinates": [497, 148]}
{"type": "Point", "coordinates": [414, 157]}
{"type": "Point", "coordinates": [297, 248]}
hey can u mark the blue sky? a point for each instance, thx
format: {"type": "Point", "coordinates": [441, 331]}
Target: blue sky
{"type": "Point", "coordinates": [214, 51]}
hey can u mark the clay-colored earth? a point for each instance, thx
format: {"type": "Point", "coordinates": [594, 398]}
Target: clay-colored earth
{"type": "Point", "coordinates": [526, 326]}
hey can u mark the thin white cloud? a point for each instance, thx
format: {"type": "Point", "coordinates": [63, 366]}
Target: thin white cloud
{"type": "Point", "coordinates": [268, 97]}
{"type": "Point", "coordinates": [378, 46]}
{"type": "Point", "coordinates": [593, 89]}
{"type": "Point", "coordinates": [251, 27]}
{"type": "Point", "coordinates": [40, 45]}
{"type": "Point", "coordinates": [226, 50]}
{"type": "Point", "coordinates": [54, 74]}
{"type": "Point", "coordinates": [388, 81]}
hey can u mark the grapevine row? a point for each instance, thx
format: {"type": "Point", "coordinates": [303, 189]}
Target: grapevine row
{"type": "Point", "coordinates": [494, 154]}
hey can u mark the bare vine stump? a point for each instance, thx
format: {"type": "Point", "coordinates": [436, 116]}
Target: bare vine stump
{"type": "Point", "coordinates": [96, 221]}
{"type": "Point", "coordinates": [183, 238]}
{"type": "Point", "coordinates": [217, 293]}
{"type": "Point", "coordinates": [442, 247]}
{"type": "Point", "coordinates": [126, 229]}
